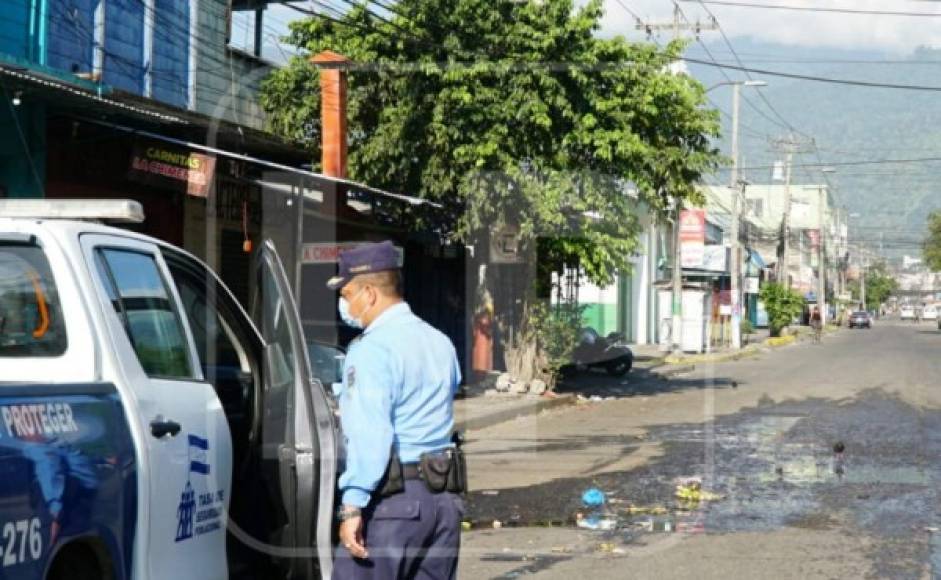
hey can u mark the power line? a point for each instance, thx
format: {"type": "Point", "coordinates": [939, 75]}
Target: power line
{"type": "Point", "coordinates": [353, 25]}
{"type": "Point", "coordinates": [777, 59]}
{"type": "Point", "coordinates": [745, 98]}
{"type": "Point", "coordinates": [847, 163]}
{"type": "Point", "coordinates": [761, 93]}
{"type": "Point", "coordinates": [851, 82]}
{"type": "Point", "coordinates": [815, 8]}
{"type": "Point", "coordinates": [629, 11]}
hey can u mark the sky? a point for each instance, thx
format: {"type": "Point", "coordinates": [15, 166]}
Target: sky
{"type": "Point", "coordinates": [896, 35]}
{"type": "Point", "coordinates": [889, 35]}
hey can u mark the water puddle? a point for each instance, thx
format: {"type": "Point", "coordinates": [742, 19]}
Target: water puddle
{"type": "Point", "coordinates": [869, 467]}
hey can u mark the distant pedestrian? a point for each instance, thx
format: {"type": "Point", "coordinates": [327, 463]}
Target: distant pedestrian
{"type": "Point", "coordinates": [816, 324]}
{"type": "Point", "coordinates": [400, 515]}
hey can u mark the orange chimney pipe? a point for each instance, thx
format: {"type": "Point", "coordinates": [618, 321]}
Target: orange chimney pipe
{"type": "Point", "coordinates": [332, 111]}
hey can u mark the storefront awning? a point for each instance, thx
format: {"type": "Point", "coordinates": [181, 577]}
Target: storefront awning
{"type": "Point", "coordinates": [755, 258]}
{"type": "Point", "coordinates": [411, 200]}
{"type": "Point", "coordinates": [79, 93]}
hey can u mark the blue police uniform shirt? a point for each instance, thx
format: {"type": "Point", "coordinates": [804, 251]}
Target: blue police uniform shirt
{"type": "Point", "coordinates": [399, 380]}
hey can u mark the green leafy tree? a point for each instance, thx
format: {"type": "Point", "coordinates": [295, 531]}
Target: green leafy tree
{"type": "Point", "coordinates": [510, 112]}
{"type": "Point", "coordinates": [932, 247]}
{"type": "Point", "coordinates": [880, 285]}
{"type": "Point", "coordinates": [782, 305]}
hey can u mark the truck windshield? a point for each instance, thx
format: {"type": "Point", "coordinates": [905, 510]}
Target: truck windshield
{"type": "Point", "coordinates": [30, 315]}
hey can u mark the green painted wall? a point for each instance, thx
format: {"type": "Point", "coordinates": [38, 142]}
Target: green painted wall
{"type": "Point", "coordinates": [602, 317]}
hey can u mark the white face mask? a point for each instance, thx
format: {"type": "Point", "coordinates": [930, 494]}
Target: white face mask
{"type": "Point", "coordinates": [344, 307]}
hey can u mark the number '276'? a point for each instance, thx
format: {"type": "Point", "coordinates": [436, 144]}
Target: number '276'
{"type": "Point", "coordinates": [18, 538]}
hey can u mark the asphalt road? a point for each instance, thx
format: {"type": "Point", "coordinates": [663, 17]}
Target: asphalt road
{"type": "Point", "coordinates": [761, 434]}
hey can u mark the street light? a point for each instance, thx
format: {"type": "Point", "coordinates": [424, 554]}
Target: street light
{"type": "Point", "coordinates": [735, 183]}
{"type": "Point", "coordinates": [738, 83]}
{"type": "Point", "coordinates": [821, 254]}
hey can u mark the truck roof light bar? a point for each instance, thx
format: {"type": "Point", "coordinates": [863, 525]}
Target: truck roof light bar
{"type": "Point", "coordinates": [105, 210]}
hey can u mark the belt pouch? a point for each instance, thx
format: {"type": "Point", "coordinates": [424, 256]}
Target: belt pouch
{"type": "Point", "coordinates": [393, 481]}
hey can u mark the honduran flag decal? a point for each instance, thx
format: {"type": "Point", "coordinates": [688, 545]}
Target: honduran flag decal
{"type": "Point", "coordinates": [198, 454]}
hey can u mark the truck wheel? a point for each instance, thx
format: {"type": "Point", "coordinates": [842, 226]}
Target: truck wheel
{"type": "Point", "coordinates": [77, 562]}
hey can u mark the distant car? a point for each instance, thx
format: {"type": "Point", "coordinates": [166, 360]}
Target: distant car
{"type": "Point", "coordinates": [930, 313]}
{"type": "Point", "coordinates": [907, 313]}
{"type": "Point", "coordinates": [860, 319]}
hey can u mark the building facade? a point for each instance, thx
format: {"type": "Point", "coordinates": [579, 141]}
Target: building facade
{"type": "Point", "coordinates": [157, 101]}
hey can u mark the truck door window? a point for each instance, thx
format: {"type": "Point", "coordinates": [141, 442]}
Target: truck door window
{"type": "Point", "coordinates": [30, 314]}
{"type": "Point", "coordinates": [141, 298]}
{"type": "Point", "coordinates": [225, 352]}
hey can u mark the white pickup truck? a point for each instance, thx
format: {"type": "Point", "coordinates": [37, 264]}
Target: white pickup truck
{"type": "Point", "coordinates": [149, 427]}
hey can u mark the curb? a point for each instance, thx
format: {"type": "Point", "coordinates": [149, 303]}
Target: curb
{"type": "Point", "coordinates": [489, 420]}
{"type": "Point", "coordinates": [713, 358]}
{"type": "Point", "coordinates": [669, 370]}
{"type": "Point", "coordinates": [779, 341]}
{"type": "Point", "coordinates": [685, 364]}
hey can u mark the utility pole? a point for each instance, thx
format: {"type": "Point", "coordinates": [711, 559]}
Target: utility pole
{"type": "Point", "coordinates": [676, 322]}
{"type": "Point", "coordinates": [676, 27]}
{"type": "Point", "coordinates": [736, 268]}
{"type": "Point", "coordinates": [821, 259]}
{"type": "Point", "coordinates": [788, 145]}
{"type": "Point", "coordinates": [862, 284]}
{"type": "Point", "coordinates": [784, 267]}
{"type": "Point", "coordinates": [736, 262]}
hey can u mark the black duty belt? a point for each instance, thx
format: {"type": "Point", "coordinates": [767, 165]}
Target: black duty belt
{"type": "Point", "coordinates": [411, 471]}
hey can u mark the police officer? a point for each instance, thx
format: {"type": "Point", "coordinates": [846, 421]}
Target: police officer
{"type": "Point", "coordinates": [396, 410]}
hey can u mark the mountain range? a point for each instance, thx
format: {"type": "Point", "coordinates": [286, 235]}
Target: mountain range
{"type": "Point", "coordinates": [860, 132]}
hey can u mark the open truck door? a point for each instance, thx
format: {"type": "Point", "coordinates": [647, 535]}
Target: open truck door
{"type": "Point", "coordinates": [298, 433]}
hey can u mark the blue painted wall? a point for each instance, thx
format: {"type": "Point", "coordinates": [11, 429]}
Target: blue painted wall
{"type": "Point", "coordinates": [15, 27]}
{"type": "Point", "coordinates": [170, 76]}
{"type": "Point", "coordinates": [22, 29]}
{"type": "Point", "coordinates": [70, 35]}
{"type": "Point", "coordinates": [124, 43]}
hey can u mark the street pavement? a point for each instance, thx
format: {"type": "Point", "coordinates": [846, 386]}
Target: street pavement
{"type": "Point", "coordinates": [762, 435]}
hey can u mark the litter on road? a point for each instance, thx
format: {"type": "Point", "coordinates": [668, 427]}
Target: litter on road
{"type": "Point", "coordinates": [604, 523]}
{"type": "Point", "coordinates": [593, 497]}
{"type": "Point", "coordinates": [690, 490]}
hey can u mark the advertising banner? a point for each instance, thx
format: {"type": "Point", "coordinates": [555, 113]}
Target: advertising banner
{"type": "Point", "coordinates": [692, 238]}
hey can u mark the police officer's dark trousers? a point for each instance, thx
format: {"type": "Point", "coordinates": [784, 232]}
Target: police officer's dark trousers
{"type": "Point", "coordinates": [413, 534]}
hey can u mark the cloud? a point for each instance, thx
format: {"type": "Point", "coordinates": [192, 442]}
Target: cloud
{"type": "Point", "coordinates": [891, 34]}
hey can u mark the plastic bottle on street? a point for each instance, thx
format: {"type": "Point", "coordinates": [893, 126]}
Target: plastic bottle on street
{"type": "Point", "coordinates": [596, 517]}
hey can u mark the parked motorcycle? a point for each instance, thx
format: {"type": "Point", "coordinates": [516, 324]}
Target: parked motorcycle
{"type": "Point", "coordinates": [601, 352]}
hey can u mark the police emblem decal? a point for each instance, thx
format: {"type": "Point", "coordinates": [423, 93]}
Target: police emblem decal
{"type": "Point", "coordinates": [199, 512]}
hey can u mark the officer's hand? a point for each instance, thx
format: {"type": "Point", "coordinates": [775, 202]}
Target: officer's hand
{"type": "Point", "coordinates": [54, 528]}
{"type": "Point", "coordinates": [351, 536]}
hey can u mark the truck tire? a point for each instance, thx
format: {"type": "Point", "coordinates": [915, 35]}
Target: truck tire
{"type": "Point", "coordinates": [77, 562]}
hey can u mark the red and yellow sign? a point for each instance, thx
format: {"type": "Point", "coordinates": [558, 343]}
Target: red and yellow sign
{"type": "Point", "coordinates": [692, 238]}
{"type": "Point", "coordinates": [173, 168]}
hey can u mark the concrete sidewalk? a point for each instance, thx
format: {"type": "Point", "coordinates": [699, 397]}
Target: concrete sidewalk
{"type": "Point", "coordinates": [483, 410]}
{"type": "Point", "coordinates": [482, 407]}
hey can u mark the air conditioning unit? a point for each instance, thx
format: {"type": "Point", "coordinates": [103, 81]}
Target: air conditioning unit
{"type": "Point", "coordinates": [505, 245]}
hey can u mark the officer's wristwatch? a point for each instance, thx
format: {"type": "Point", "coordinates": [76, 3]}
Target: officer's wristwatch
{"type": "Point", "coordinates": [347, 512]}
